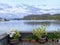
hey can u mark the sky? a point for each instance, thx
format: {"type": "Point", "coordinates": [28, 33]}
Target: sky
{"type": "Point", "coordinates": [20, 8]}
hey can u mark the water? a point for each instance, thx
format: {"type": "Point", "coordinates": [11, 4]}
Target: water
{"type": "Point", "coordinates": [28, 25]}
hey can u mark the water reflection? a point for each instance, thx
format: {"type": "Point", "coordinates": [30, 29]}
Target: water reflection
{"type": "Point", "coordinates": [37, 23]}
{"type": "Point", "coordinates": [29, 25]}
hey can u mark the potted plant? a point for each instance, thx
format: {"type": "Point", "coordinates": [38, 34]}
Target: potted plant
{"type": "Point", "coordinates": [14, 36]}
{"type": "Point", "coordinates": [58, 35]}
{"type": "Point", "coordinates": [50, 37]}
{"type": "Point", "coordinates": [32, 38]}
{"type": "Point", "coordinates": [40, 33]}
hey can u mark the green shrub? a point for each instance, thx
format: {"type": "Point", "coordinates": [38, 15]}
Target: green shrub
{"type": "Point", "coordinates": [50, 36]}
{"type": "Point", "coordinates": [32, 37]}
{"type": "Point", "coordinates": [57, 34]}
{"type": "Point", "coordinates": [16, 35]}
{"type": "Point", "coordinates": [40, 31]}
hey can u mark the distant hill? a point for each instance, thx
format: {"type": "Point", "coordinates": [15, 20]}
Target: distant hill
{"type": "Point", "coordinates": [42, 17]}
{"type": "Point", "coordinates": [36, 17]}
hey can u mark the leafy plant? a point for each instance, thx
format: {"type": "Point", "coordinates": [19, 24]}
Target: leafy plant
{"type": "Point", "coordinates": [14, 34]}
{"type": "Point", "coordinates": [50, 36]}
{"type": "Point", "coordinates": [57, 34]}
{"type": "Point", "coordinates": [40, 31]}
{"type": "Point", "coordinates": [32, 37]}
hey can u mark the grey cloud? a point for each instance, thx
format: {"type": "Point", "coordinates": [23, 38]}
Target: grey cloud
{"type": "Point", "coordinates": [4, 6]}
{"type": "Point", "coordinates": [36, 10]}
{"type": "Point", "coordinates": [1, 9]}
{"type": "Point", "coordinates": [32, 9]}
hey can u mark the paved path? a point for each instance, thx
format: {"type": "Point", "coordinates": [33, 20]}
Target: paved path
{"type": "Point", "coordinates": [36, 43]}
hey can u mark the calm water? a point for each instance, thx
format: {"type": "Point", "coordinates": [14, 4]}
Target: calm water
{"type": "Point", "coordinates": [28, 25]}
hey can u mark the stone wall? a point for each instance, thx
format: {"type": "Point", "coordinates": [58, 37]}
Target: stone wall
{"type": "Point", "coordinates": [4, 39]}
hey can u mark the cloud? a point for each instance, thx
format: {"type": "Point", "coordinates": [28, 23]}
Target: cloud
{"type": "Point", "coordinates": [1, 9]}
{"type": "Point", "coordinates": [11, 9]}
{"type": "Point", "coordinates": [25, 9]}
{"type": "Point", "coordinates": [4, 6]}
{"type": "Point", "coordinates": [15, 10]}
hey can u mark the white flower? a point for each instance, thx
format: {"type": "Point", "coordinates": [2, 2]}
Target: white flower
{"type": "Point", "coordinates": [11, 35]}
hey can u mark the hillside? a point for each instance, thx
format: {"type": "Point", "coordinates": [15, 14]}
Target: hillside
{"type": "Point", "coordinates": [42, 17]}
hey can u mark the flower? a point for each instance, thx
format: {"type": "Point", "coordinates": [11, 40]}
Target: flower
{"type": "Point", "coordinates": [14, 34]}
